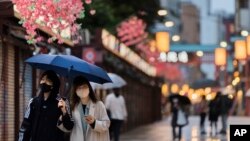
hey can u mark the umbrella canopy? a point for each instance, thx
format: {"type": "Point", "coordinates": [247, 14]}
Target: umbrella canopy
{"type": "Point", "coordinates": [184, 100]}
{"type": "Point", "coordinates": [69, 66]}
{"type": "Point", "coordinates": [117, 82]}
{"type": "Point", "coordinates": [203, 83]}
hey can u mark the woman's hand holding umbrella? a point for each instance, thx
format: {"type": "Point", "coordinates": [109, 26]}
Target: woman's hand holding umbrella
{"type": "Point", "coordinates": [62, 106]}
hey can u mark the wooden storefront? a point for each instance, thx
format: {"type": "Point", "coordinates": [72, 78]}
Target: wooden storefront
{"type": "Point", "coordinates": [18, 80]}
{"type": "Point", "coordinates": [142, 92]}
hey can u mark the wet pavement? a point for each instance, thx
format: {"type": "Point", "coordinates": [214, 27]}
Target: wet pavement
{"type": "Point", "coordinates": [162, 131]}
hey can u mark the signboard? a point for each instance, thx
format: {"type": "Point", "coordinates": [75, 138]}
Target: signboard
{"type": "Point", "coordinates": [111, 43]}
{"type": "Point", "coordinates": [89, 55]}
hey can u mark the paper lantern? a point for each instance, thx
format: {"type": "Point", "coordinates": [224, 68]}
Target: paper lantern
{"type": "Point", "coordinates": [174, 88]}
{"type": "Point", "coordinates": [164, 90]}
{"type": "Point", "coordinates": [220, 56]}
{"type": "Point", "coordinates": [240, 50]}
{"type": "Point", "coordinates": [162, 41]}
{"type": "Point", "coordinates": [248, 45]}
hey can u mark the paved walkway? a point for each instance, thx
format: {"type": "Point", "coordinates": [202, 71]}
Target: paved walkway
{"type": "Point", "coordinates": [161, 131]}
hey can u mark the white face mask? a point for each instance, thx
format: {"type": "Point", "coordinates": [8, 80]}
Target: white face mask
{"type": "Point", "coordinates": [82, 93]}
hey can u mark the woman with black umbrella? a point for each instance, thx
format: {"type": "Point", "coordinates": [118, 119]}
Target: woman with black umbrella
{"type": "Point", "coordinates": [214, 112]}
{"type": "Point", "coordinates": [179, 108]}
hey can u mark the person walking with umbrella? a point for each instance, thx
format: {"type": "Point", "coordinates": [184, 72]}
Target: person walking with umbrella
{"type": "Point", "coordinates": [90, 116]}
{"type": "Point", "coordinates": [179, 108]}
{"type": "Point", "coordinates": [82, 95]}
{"type": "Point", "coordinates": [214, 112]}
{"type": "Point", "coordinates": [45, 113]}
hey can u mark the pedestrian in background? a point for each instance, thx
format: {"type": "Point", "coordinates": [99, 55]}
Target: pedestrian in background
{"type": "Point", "coordinates": [45, 113]}
{"type": "Point", "coordinates": [89, 114]}
{"type": "Point", "coordinates": [116, 105]}
{"type": "Point", "coordinates": [214, 112]}
{"type": "Point", "coordinates": [179, 115]}
{"type": "Point", "coordinates": [203, 109]}
{"type": "Point", "coordinates": [225, 105]}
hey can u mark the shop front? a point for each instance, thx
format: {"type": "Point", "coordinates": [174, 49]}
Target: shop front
{"type": "Point", "coordinates": [142, 93]}
{"type": "Point", "coordinates": [18, 80]}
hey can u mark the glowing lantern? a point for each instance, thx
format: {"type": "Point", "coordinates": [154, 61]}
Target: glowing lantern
{"type": "Point", "coordinates": [220, 56]}
{"type": "Point", "coordinates": [185, 87]}
{"type": "Point", "coordinates": [174, 88]}
{"type": "Point", "coordinates": [162, 41]}
{"type": "Point", "coordinates": [164, 90]}
{"type": "Point", "coordinates": [240, 50]}
{"type": "Point", "coordinates": [248, 45]}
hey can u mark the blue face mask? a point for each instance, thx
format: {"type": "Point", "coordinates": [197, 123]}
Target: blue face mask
{"type": "Point", "coordinates": [45, 88]}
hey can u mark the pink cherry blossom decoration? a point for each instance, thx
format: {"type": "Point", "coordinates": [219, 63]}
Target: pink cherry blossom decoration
{"type": "Point", "coordinates": [58, 15]}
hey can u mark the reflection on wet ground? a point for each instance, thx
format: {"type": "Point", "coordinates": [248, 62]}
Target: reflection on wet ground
{"type": "Point", "coordinates": [162, 131]}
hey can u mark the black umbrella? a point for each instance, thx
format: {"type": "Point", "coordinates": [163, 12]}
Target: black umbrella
{"type": "Point", "coordinates": [184, 100]}
{"type": "Point", "coordinates": [203, 83]}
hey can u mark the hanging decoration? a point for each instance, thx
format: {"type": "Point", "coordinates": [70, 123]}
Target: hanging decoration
{"type": "Point", "coordinates": [220, 56]}
{"type": "Point", "coordinates": [169, 71]}
{"type": "Point", "coordinates": [132, 31]}
{"type": "Point", "coordinates": [240, 50]}
{"type": "Point", "coordinates": [149, 55]}
{"type": "Point", "coordinates": [162, 41]}
{"type": "Point", "coordinates": [58, 16]}
{"type": "Point", "coordinates": [248, 45]}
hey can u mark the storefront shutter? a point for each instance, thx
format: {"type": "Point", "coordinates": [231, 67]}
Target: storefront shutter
{"type": "Point", "coordinates": [1, 92]}
{"type": "Point", "coordinates": [10, 99]}
{"type": "Point", "coordinates": [25, 82]}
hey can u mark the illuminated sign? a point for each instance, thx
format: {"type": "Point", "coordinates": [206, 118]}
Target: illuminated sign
{"type": "Point", "coordinates": [111, 43]}
{"type": "Point", "coordinates": [174, 57]}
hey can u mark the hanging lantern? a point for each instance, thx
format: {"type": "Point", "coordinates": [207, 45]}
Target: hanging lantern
{"type": "Point", "coordinates": [162, 41]}
{"type": "Point", "coordinates": [248, 45]}
{"type": "Point", "coordinates": [220, 56]}
{"type": "Point", "coordinates": [164, 90]}
{"type": "Point", "coordinates": [185, 87]}
{"type": "Point", "coordinates": [174, 88]}
{"type": "Point", "coordinates": [240, 50]}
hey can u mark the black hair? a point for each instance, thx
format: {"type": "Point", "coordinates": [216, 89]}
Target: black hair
{"type": "Point", "coordinates": [51, 75]}
{"type": "Point", "coordinates": [78, 81]}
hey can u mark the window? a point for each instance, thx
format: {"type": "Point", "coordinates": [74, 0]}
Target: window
{"type": "Point", "coordinates": [243, 3]}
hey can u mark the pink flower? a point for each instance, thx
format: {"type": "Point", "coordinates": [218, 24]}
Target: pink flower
{"type": "Point", "coordinates": [51, 12]}
{"type": "Point", "coordinates": [88, 1]}
{"type": "Point", "coordinates": [92, 11]}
